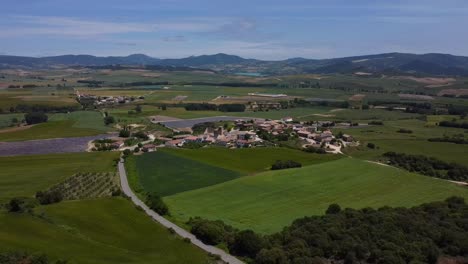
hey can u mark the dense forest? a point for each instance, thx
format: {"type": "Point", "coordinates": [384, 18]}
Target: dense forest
{"type": "Point", "coordinates": [422, 234]}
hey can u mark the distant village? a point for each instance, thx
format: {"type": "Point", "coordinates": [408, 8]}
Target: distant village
{"type": "Point", "coordinates": [89, 99]}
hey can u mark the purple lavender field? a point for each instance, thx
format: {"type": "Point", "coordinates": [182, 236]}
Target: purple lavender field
{"type": "Point", "coordinates": [47, 146]}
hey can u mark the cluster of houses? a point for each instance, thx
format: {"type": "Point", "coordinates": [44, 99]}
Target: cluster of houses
{"type": "Point", "coordinates": [220, 136]}
{"type": "Point", "coordinates": [89, 99]}
{"type": "Point", "coordinates": [245, 134]}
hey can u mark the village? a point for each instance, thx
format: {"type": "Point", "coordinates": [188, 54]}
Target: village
{"type": "Point", "coordinates": [90, 99]}
{"type": "Point", "coordinates": [241, 133]}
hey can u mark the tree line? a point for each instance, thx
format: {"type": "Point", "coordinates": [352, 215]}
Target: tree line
{"type": "Point", "coordinates": [287, 164]}
{"type": "Point", "coordinates": [454, 124]}
{"type": "Point", "coordinates": [213, 107]}
{"type": "Point", "coordinates": [26, 108]}
{"type": "Point", "coordinates": [17, 257]}
{"type": "Point", "coordinates": [428, 166]}
{"type": "Point", "coordinates": [457, 139]}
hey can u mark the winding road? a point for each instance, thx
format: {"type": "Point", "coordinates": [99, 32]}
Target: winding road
{"type": "Point", "coordinates": [163, 221]}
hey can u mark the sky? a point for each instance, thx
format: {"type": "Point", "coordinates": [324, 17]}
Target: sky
{"type": "Point", "coordinates": [261, 29]}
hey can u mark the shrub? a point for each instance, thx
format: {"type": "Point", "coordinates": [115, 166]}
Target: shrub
{"type": "Point", "coordinates": [116, 192]}
{"type": "Point", "coordinates": [138, 109]}
{"type": "Point", "coordinates": [157, 204]}
{"type": "Point", "coordinates": [272, 256]}
{"type": "Point", "coordinates": [109, 120]}
{"type": "Point", "coordinates": [26, 258]}
{"type": "Point", "coordinates": [321, 151]}
{"type": "Point", "coordinates": [405, 131]}
{"type": "Point", "coordinates": [371, 145]}
{"type": "Point", "coordinates": [279, 165]}
{"type": "Point", "coordinates": [124, 133]}
{"type": "Point", "coordinates": [17, 205]}
{"type": "Point", "coordinates": [49, 197]}
{"type": "Point", "coordinates": [333, 209]}
{"type": "Point", "coordinates": [141, 135]}
{"type": "Point", "coordinates": [376, 123]}
{"type": "Point", "coordinates": [210, 232]}
{"type": "Point", "coordinates": [247, 244]}
{"type": "Point", "coordinates": [35, 118]}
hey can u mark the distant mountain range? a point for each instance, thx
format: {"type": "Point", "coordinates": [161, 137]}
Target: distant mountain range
{"type": "Point", "coordinates": [387, 63]}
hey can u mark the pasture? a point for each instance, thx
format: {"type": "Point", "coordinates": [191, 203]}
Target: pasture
{"type": "Point", "coordinates": [165, 173]}
{"type": "Point", "coordinates": [95, 231]}
{"type": "Point", "coordinates": [75, 124]}
{"type": "Point", "coordinates": [6, 119]}
{"type": "Point", "coordinates": [250, 160]}
{"type": "Point", "coordinates": [386, 138]}
{"type": "Point", "coordinates": [269, 201]}
{"type": "Point", "coordinates": [23, 176]}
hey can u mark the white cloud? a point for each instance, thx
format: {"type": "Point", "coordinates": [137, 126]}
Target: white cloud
{"type": "Point", "coordinates": [42, 25]}
{"type": "Point", "coordinates": [76, 27]}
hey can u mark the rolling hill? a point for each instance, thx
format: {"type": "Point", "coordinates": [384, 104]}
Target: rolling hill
{"type": "Point", "coordinates": [386, 63]}
{"type": "Point", "coordinates": [269, 201]}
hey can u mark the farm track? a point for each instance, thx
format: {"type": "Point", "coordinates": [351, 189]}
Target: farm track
{"type": "Point", "coordinates": [227, 258]}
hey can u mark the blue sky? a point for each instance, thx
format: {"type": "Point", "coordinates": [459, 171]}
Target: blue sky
{"type": "Point", "coordinates": [254, 29]}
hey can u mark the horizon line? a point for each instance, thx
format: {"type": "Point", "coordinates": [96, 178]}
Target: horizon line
{"type": "Point", "coordinates": [222, 53]}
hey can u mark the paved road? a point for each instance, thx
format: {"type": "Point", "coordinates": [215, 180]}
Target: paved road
{"type": "Point", "coordinates": [181, 232]}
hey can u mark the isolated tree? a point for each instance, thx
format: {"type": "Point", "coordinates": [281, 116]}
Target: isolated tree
{"type": "Point", "coordinates": [125, 132]}
{"type": "Point", "coordinates": [109, 120]}
{"type": "Point", "coordinates": [16, 205]}
{"type": "Point", "coordinates": [164, 107]}
{"type": "Point", "coordinates": [35, 118]}
{"type": "Point", "coordinates": [209, 232]}
{"type": "Point", "coordinates": [155, 202]}
{"type": "Point", "coordinates": [138, 109]}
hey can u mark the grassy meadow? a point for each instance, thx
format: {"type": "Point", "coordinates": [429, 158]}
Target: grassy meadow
{"type": "Point", "coordinates": [75, 124]}
{"type": "Point", "coordinates": [23, 176]}
{"type": "Point", "coordinates": [386, 138]}
{"type": "Point", "coordinates": [5, 119]}
{"type": "Point", "coordinates": [269, 201]}
{"type": "Point", "coordinates": [250, 160]}
{"type": "Point", "coordinates": [96, 231]}
{"type": "Point", "coordinates": [165, 173]}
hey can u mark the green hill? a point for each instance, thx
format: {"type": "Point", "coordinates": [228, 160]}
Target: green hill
{"type": "Point", "coordinates": [95, 231]}
{"type": "Point", "coordinates": [271, 200]}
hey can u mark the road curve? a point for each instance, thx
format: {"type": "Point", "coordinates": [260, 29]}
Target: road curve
{"type": "Point", "coordinates": [163, 221]}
